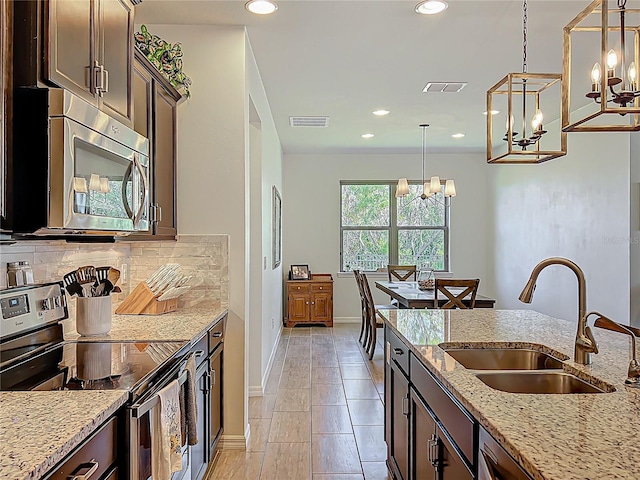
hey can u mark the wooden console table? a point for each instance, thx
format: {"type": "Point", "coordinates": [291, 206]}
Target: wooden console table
{"type": "Point", "coordinates": [310, 301]}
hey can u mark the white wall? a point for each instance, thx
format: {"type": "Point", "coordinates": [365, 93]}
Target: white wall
{"type": "Point", "coordinates": [634, 233]}
{"type": "Point", "coordinates": [229, 155]}
{"type": "Point", "coordinates": [311, 211]}
{"type": "Point", "coordinates": [577, 207]}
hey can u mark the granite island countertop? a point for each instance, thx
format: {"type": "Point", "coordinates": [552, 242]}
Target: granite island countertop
{"type": "Point", "coordinates": [38, 429]}
{"type": "Point", "coordinates": [553, 437]}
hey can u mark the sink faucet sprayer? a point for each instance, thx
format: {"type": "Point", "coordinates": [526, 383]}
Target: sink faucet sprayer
{"type": "Point", "coordinates": [585, 343]}
{"type": "Point", "coordinates": [633, 374]}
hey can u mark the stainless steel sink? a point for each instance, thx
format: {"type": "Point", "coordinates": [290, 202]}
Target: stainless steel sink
{"type": "Point", "coordinates": [503, 359]}
{"type": "Point", "coordinates": [537, 382]}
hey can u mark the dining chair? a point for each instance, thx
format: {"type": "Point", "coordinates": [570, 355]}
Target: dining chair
{"type": "Point", "coordinates": [374, 319]}
{"type": "Point", "coordinates": [402, 273]}
{"type": "Point", "coordinates": [455, 299]}
{"type": "Point", "coordinates": [364, 331]}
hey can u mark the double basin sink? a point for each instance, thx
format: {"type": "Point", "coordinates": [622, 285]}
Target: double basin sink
{"type": "Point", "coordinates": [520, 370]}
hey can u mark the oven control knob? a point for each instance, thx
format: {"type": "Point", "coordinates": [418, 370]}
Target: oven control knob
{"type": "Point", "coordinates": [46, 304]}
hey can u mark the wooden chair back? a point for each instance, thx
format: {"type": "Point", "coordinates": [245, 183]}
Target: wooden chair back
{"type": "Point", "coordinates": [370, 304]}
{"type": "Point", "coordinates": [402, 273]}
{"type": "Point", "coordinates": [455, 299]}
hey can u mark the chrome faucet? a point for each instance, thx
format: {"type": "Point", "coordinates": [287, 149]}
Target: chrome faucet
{"type": "Point", "coordinates": [585, 343]}
{"type": "Point", "coordinates": [633, 374]}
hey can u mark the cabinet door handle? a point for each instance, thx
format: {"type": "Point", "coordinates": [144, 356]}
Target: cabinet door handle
{"type": "Point", "coordinates": [405, 406]}
{"type": "Point", "coordinates": [207, 382]}
{"type": "Point", "coordinates": [398, 351]}
{"type": "Point", "coordinates": [105, 82]}
{"type": "Point", "coordinates": [85, 470]}
{"type": "Point", "coordinates": [313, 303]}
{"type": "Point", "coordinates": [98, 77]}
{"type": "Point", "coordinates": [159, 207]}
{"type": "Point", "coordinates": [213, 375]}
{"type": "Point", "coordinates": [217, 334]}
{"type": "Point", "coordinates": [307, 303]}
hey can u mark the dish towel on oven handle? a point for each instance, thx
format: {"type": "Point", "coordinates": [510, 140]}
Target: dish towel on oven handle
{"type": "Point", "coordinates": [188, 405]}
{"type": "Point", "coordinates": [166, 456]}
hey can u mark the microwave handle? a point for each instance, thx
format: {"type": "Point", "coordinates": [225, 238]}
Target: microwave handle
{"type": "Point", "coordinates": [125, 201]}
{"type": "Point", "coordinates": [145, 192]}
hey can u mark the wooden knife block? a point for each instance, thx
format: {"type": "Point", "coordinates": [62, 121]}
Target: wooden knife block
{"type": "Point", "coordinates": [142, 301]}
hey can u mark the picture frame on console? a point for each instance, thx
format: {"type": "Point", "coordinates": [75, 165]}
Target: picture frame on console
{"type": "Point", "coordinates": [299, 272]}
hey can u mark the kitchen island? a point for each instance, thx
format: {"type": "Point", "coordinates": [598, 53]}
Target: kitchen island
{"type": "Point", "coordinates": [38, 429]}
{"type": "Point", "coordinates": [551, 436]}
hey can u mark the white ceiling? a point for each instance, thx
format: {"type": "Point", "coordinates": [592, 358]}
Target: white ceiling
{"type": "Point", "coordinates": [343, 59]}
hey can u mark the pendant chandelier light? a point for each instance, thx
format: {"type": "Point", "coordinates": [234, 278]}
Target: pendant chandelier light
{"type": "Point", "coordinates": [433, 185]}
{"type": "Point", "coordinates": [523, 96]}
{"type": "Point", "coordinates": [605, 96]}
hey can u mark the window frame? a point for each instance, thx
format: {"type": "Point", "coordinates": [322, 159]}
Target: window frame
{"type": "Point", "coordinates": [393, 229]}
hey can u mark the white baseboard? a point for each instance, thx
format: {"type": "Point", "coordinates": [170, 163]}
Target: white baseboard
{"type": "Point", "coordinates": [258, 391]}
{"type": "Point", "coordinates": [233, 442]}
{"type": "Point", "coordinates": [342, 320]}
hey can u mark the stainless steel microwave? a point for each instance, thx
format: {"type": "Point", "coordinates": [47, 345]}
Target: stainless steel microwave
{"type": "Point", "coordinates": [75, 169]}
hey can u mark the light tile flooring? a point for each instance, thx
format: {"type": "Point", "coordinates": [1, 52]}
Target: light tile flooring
{"type": "Point", "coordinates": [322, 415]}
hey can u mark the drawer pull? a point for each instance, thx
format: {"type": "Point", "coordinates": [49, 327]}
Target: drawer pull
{"type": "Point", "coordinates": [320, 288]}
{"type": "Point", "coordinates": [84, 471]}
{"type": "Point", "coordinates": [217, 334]}
{"type": "Point", "coordinates": [199, 353]}
{"type": "Point", "coordinates": [398, 351]}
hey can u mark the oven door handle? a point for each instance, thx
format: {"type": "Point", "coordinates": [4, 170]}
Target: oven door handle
{"type": "Point", "coordinates": [139, 409]}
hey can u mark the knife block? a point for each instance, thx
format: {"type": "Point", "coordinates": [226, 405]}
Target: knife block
{"type": "Point", "coordinates": [142, 301]}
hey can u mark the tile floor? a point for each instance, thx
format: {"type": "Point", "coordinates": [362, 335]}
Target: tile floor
{"type": "Point", "coordinates": [322, 415]}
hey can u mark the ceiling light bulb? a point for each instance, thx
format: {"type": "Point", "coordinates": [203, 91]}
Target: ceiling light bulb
{"type": "Point", "coordinates": [449, 188]}
{"type": "Point", "coordinates": [633, 74]}
{"type": "Point", "coordinates": [537, 120]}
{"type": "Point", "coordinates": [431, 7]}
{"type": "Point", "coordinates": [426, 190]}
{"type": "Point", "coordinates": [367, 135]}
{"type": "Point", "coordinates": [612, 59]}
{"type": "Point", "coordinates": [261, 7]}
{"type": "Point", "coordinates": [596, 73]}
{"type": "Point", "coordinates": [381, 113]}
{"type": "Point", "coordinates": [493, 112]}
{"type": "Point", "coordinates": [458, 135]}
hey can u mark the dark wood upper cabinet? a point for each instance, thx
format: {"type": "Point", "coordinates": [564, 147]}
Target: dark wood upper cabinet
{"type": "Point", "coordinates": [6, 23]}
{"type": "Point", "coordinates": [84, 46]}
{"type": "Point", "coordinates": [156, 117]}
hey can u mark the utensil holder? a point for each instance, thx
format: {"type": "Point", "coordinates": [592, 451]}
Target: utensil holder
{"type": "Point", "coordinates": [142, 301]}
{"type": "Point", "coordinates": [93, 315]}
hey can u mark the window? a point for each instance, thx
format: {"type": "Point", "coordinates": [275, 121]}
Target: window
{"type": "Point", "coordinates": [376, 228]}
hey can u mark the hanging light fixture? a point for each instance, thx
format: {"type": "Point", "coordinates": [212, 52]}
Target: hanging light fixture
{"type": "Point", "coordinates": [431, 186]}
{"type": "Point", "coordinates": [610, 86]}
{"type": "Point", "coordinates": [522, 96]}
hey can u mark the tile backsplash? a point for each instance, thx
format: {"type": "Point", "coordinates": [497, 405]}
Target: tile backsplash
{"type": "Point", "coordinates": [206, 257]}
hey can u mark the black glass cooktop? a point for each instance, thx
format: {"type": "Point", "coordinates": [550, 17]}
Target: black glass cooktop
{"type": "Point", "coordinates": [90, 366]}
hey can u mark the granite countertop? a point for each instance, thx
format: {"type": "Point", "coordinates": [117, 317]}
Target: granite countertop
{"type": "Point", "coordinates": [553, 437]}
{"type": "Point", "coordinates": [38, 429]}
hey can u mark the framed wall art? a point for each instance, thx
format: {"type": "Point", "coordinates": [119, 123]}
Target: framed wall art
{"type": "Point", "coordinates": [276, 229]}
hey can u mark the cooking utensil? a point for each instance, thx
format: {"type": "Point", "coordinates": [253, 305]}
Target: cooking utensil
{"type": "Point", "coordinates": [86, 275]}
{"type": "Point", "coordinates": [113, 275]}
{"type": "Point", "coordinates": [174, 292]}
{"type": "Point", "coordinates": [71, 284]}
{"type": "Point", "coordinates": [102, 272]}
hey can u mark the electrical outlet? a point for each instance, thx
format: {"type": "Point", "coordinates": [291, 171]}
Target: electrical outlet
{"type": "Point", "coordinates": [124, 274]}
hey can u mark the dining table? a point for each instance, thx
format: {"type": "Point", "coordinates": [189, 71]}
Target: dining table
{"type": "Point", "coordinates": [408, 295]}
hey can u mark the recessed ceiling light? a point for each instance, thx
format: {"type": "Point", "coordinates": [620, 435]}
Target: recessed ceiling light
{"type": "Point", "coordinates": [458, 135]}
{"type": "Point", "coordinates": [493, 112]}
{"type": "Point", "coordinates": [367, 135]}
{"type": "Point", "coordinates": [381, 113]}
{"type": "Point", "coordinates": [261, 7]}
{"type": "Point", "coordinates": [431, 7]}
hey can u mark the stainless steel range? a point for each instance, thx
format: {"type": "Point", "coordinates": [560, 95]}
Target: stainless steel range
{"type": "Point", "coordinates": [34, 356]}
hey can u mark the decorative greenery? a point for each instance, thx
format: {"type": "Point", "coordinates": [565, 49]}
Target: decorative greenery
{"type": "Point", "coordinates": [165, 57]}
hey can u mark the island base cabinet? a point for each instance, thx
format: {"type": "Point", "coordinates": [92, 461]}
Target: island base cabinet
{"type": "Point", "coordinates": [398, 418]}
{"type": "Point", "coordinates": [199, 458]}
{"type": "Point", "coordinates": [215, 424]}
{"type": "Point", "coordinates": [424, 445]}
{"type": "Point", "coordinates": [494, 461]}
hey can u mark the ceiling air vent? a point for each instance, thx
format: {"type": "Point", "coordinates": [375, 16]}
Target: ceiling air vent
{"type": "Point", "coordinates": [309, 121]}
{"type": "Point", "coordinates": [444, 87]}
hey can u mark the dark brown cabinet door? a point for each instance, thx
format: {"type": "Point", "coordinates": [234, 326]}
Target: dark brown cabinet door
{"type": "Point", "coordinates": [399, 417]}
{"type": "Point", "coordinates": [70, 46]}
{"type": "Point", "coordinates": [115, 54]}
{"type": "Point", "coordinates": [6, 22]}
{"type": "Point", "coordinates": [451, 464]}
{"type": "Point", "coordinates": [199, 457]}
{"type": "Point", "coordinates": [424, 444]}
{"type": "Point", "coordinates": [164, 161]}
{"type": "Point", "coordinates": [215, 396]}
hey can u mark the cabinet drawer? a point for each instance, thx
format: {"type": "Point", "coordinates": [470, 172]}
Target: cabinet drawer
{"type": "Point", "coordinates": [323, 287]}
{"type": "Point", "coordinates": [457, 422]}
{"type": "Point", "coordinates": [298, 288]}
{"type": "Point", "coordinates": [216, 335]}
{"type": "Point", "coordinates": [100, 449]}
{"type": "Point", "coordinates": [398, 351]}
